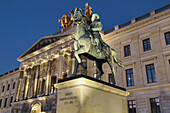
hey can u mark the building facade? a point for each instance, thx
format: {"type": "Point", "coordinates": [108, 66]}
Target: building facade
{"type": "Point", "coordinates": [142, 44]}
{"type": "Point", "coordinates": [8, 89]}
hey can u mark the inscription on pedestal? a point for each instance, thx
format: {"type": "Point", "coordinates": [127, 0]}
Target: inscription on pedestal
{"type": "Point", "coordinates": [69, 98]}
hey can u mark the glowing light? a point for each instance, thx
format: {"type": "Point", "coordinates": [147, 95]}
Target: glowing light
{"type": "Point", "coordinates": [44, 61]}
{"type": "Point", "coordinates": [34, 108]}
{"type": "Point", "coordinates": [81, 81]}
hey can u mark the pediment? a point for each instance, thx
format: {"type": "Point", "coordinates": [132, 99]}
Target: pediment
{"type": "Point", "coordinates": [44, 41]}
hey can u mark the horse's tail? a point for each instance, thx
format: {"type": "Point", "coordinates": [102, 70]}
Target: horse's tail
{"type": "Point", "coordinates": [115, 58]}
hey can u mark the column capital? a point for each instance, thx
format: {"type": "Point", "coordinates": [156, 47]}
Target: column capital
{"type": "Point", "coordinates": [21, 68]}
{"type": "Point", "coordinates": [30, 65]}
{"type": "Point", "coordinates": [38, 62]}
{"type": "Point", "coordinates": [61, 53]}
{"type": "Point", "coordinates": [50, 57]}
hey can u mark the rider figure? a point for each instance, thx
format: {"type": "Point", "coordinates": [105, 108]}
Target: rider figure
{"type": "Point", "coordinates": [95, 27]}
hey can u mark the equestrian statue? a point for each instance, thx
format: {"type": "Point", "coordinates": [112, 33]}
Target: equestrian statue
{"type": "Point", "coordinates": [88, 43]}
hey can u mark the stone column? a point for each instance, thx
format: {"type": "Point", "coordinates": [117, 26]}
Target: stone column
{"type": "Point", "coordinates": [19, 84]}
{"type": "Point", "coordinates": [27, 84]}
{"type": "Point", "coordinates": [60, 65]}
{"type": "Point", "coordinates": [69, 65]}
{"type": "Point", "coordinates": [23, 84]}
{"type": "Point", "coordinates": [48, 84]}
{"type": "Point", "coordinates": [36, 79]}
{"type": "Point", "coordinates": [31, 86]}
{"type": "Point", "coordinates": [40, 86]}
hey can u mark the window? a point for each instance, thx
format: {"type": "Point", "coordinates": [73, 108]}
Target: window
{"type": "Point", "coordinates": [5, 102]}
{"type": "Point", "coordinates": [53, 80]}
{"type": "Point", "coordinates": [8, 87]}
{"type": "Point", "coordinates": [43, 88]}
{"type": "Point", "coordinates": [132, 106]}
{"type": "Point", "coordinates": [11, 100]}
{"type": "Point", "coordinates": [150, 71]}
{"type": "Point", "coordinates": [110, 78]}
{"type": "Point", "coordinates": [0, 102]}
{"type": "Point", "coordinates": [146, 45]}
{"type": "Point", "coordinates": [155, 105]}
{"type": "Point", "coordinates": [129, 77]}
{"type": "Point", "coordinates": [127, 50]}
{"type": "Point", "coordinates": [167, 38]}
{"type": "Point", "coordinates": [13, 86]}
{"type": "Point", "coordinates": [3, 88]}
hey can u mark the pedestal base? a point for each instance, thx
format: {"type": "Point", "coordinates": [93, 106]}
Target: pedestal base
{"type": "Point", "coordinates": [84, 94]}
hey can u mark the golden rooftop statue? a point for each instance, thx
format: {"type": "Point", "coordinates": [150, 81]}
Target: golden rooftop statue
{"type": "Point", "coordinates": [66, 21]}
{"type": "Point", "coordinates": [88, 12]}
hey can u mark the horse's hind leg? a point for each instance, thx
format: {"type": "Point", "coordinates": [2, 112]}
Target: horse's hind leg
{"type": "Point", "coordinates": [112, 70]}
{"type": "Point", "coordinates": [83, 64]}
{"type": "Point", "coordinates": [99, 69]}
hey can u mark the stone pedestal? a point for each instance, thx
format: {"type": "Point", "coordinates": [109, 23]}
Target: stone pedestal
{"type": "Point", "coordinates": [83, 94]}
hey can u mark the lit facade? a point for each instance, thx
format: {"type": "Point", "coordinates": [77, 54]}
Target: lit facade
{"type": "Point", "coordinates": [142, 44]}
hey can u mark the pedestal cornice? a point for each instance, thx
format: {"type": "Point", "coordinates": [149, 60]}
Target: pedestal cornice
{"type": "Point", "coordinates": [90, 82]}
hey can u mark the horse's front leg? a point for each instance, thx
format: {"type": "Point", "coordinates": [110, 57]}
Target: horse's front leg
{"type": "Point", "coordinates": [80, 51]}
{"type": "Point", "coordinates": [75, 68]}
{"type": "Point", "coordinates": [77, 56]}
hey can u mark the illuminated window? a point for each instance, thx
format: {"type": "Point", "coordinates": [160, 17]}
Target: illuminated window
{"type": "Point", "coordinates": [127, 50]}
{"type": "Point", "coordinates": [95, 75]}
{"type": "Point", "coordinates": [129, 77]}
{"type": "Point", "coordinates": [110, 78]}
{"type": "Point", "coordinates": [167, 38]}
{"type": "Point", "coordinates": [132, 106]}
{"type": "Point", "coordinates": [155, 105]}
{"type": "Point", "coordinates": [146, 45]}
{"type": "Point", "coordinates": [150, 71]}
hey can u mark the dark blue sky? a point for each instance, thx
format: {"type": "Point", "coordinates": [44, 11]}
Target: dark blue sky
{"type": "Point", "coordinates": [23, 22]}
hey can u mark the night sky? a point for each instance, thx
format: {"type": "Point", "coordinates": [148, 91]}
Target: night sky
{"type": "Point", "coordinates": [23, 22]}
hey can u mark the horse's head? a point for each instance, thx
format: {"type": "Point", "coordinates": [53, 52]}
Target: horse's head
{"type": "Point", "coordinates": [77, 18]}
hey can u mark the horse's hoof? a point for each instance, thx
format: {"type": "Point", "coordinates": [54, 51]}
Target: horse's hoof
{"type": "Point", "coordinates": [72, 75]}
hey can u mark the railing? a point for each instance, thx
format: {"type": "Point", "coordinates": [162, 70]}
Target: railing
{"type": "Point", "coordinates": [138, 18]}
{"type": "Point", "coordinates": [143, 17]}
{"type": "Point", "coordinates": [9, 72]}
{"type": "Point", "coordinates": [124, 24]}
{"type": "Point", "coordinates": [162, 9]}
